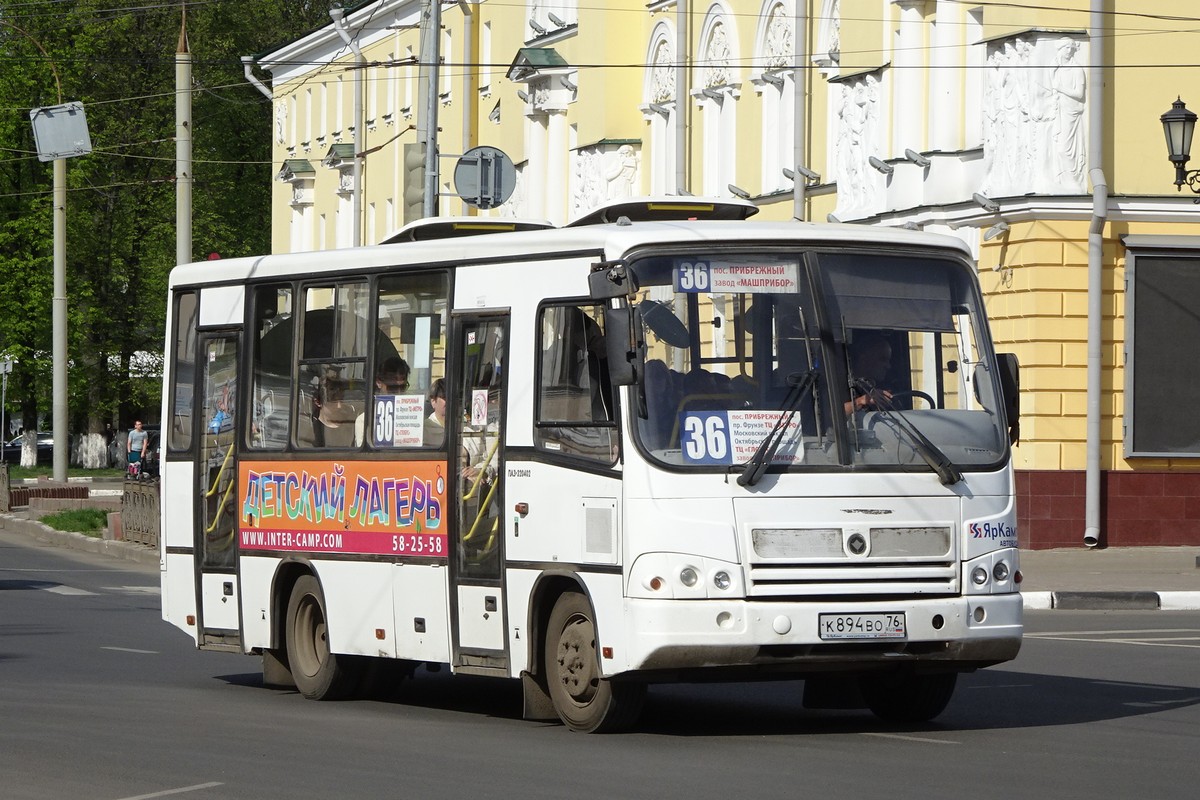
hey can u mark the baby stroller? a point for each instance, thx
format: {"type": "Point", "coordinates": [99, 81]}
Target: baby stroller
{"type": "Point", "coordinates": [134, 470]}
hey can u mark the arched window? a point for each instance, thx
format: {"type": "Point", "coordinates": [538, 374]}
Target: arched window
{"type": "Point", "coordinates": [660, 107]}
{"type": "Point", "coordinates": [775, 82]}
{"type": "Point", "coordinates": [717, 93]}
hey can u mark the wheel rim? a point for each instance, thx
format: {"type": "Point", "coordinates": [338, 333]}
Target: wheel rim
{"type": "Point", "coordinates": [576, 656]}
{"type": "Point", "coordinates": [312, 645]}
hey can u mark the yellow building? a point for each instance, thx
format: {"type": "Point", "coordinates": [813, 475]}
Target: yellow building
{"type": "Point", "coordinates": [1030, 133]}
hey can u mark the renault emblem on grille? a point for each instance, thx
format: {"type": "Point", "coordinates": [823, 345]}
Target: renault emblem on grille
{"type": "Point", "coordinates": [857, 544]}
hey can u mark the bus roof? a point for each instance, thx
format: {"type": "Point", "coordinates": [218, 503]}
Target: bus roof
{"type": "Point", "coordinates": [607, 241]}
{"type": "Point", "coordinates": [667, 207]}
{"type": "Point", "coordinates": [423, 230]}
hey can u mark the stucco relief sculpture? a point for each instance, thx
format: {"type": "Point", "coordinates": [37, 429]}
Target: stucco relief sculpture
{"type": "Point", "coordinates": [857, 137]}
{"type": "Point", "coordinates": [717, 55]}
{"type": "Point", "coordinates": [601, 174]}
{"type": "Point", "coordinates": [280, 122]}
{"type": "Point", "coordinates": [778, 39]}
{"type": "Point", "coordinates": [662, 76]}
{"type": "Point", "coordinates": [829, 33]}
{"type": "Point", "coordinates": [1034, 105]}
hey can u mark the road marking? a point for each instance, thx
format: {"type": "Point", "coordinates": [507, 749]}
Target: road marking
{"type": "Point", "coordinates": [910, 738]}
{"type": "Point", "coordinates": [1144, 642]}
{"type": "Point", "coordinates": [134, 589]}
{"type": "Point", "coordinates": [181, 790]}
{"type": "Point", "coordinates": [1107, 633]}
{"type": "Point", "coordinates": [130, 650]}
{"type": "Point", "coordinates": [68, 590]}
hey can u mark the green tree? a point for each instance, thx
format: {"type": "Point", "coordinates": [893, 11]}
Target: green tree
{"type": "Point", "coordinates": [119, 62]}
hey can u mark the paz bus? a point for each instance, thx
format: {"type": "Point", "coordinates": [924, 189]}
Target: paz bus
{"type": "Point", "coordinates": [662, 443]}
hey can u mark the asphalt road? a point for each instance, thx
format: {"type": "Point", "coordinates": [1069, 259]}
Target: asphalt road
{"type": "Point", "coordinates": [101, 699]}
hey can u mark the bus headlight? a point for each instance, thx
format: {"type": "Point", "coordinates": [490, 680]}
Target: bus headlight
{"type": "Point", "coordinates": [688, 576]}
{"type": "Point", "coordinates": [979, 576]}
{"type": "Point", "coordinates": [721, 580]}
{"type": "Point", "coordinates": [1000, 572]}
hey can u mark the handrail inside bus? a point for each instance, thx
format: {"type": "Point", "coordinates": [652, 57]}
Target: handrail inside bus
{"type": "Point", "coordinates": [217, 480]}
{"type": "Point", "coordinates": [221, 508]}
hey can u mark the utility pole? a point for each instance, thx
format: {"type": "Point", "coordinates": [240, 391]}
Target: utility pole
{"type": "Point", "coordinates": [183, 147]}
{"type": "Point", "coordinates": [431, 57]}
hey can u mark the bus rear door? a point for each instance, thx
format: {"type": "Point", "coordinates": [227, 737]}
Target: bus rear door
{"type": "Point", "coordinates": [216, 474]}
{"type": "Point", "coordinates": [475, 420]}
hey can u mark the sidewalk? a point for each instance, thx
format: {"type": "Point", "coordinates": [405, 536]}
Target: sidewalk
{"type": "Point", "coordinates": [1163, 578]}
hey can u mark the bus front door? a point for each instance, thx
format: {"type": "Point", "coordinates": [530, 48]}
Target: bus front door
{"type": "Point", "coordinates": [216, 472]}
{"type": "Point", "coordinates": [477, 541]}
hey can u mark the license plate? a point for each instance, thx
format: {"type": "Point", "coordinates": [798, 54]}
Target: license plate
{"type": "Point", "coordinates": [861, 626]}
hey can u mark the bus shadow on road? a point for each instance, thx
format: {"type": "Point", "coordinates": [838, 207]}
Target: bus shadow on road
{"type": "Point", "coordinates": [986, 700]}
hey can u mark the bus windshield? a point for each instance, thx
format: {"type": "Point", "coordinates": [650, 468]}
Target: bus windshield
{"type": "Point", "coordinates": [873, 360]}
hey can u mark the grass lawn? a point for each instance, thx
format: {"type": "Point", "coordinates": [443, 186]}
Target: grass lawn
{"type": "Point", "coordinates": [20, 473]}
{"type": "Point", "coordinates": [88, 521]}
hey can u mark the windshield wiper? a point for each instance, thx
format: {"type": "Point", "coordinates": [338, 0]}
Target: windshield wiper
{"type": "Point", "coordinates": [938, 461]}
{"type": "Point", "coordinates": [753, 470]}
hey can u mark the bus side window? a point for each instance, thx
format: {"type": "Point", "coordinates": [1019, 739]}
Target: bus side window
{"type": "Point", "coordinates": [333, 359]}
{"type": "Point", "coordinates": [409, 357]}
{"type": "Point", "coordinates": [575, 396]}
{"type": "Point", "coordinates": [179, 435]}
{"type": "Point", "coordinates": [271, 390]}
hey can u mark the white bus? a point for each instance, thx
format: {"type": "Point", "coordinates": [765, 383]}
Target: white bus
{"type": "Point", "coordinates": [683, 447]}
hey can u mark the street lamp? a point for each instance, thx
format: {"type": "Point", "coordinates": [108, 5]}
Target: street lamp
{"type": "Point", "coordinates": [1179, 124]}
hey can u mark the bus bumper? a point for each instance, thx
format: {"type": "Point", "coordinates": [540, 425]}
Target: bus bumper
{"type": "Point", "coordinates": [953, 633]}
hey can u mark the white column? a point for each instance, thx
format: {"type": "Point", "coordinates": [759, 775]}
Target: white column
{"type": "Point", "coordinates": [945, 78]}
{"type": "Point", "coordinates": [907, 101]}
{"type": "Point", "coordinates": [557, 176]}
{"type": "Point", "coordinates": [536, 141]}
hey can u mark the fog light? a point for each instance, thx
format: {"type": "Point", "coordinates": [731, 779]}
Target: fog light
{"type": "Point", "coordinates": [1000, 572]}
{"type": "Point", "coordinates": [979, 575]}
{"type": "Point", "coordinates": [722, 581]}
{"type": "Point", "coordinates": [688, 576]}
{"type": "Point", "coordinates": [979, 614]}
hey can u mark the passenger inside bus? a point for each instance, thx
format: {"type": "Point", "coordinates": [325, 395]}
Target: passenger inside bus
{"type": "Point", "coordinates": [870, 365]}
{"type": "Point", "coordinates": [335, 409]}
{"type": "Point", "coordinates": [391, 377]}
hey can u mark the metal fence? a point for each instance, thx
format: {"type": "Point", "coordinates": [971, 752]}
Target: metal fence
{"type": "Point", "coordinates": [139, 512]}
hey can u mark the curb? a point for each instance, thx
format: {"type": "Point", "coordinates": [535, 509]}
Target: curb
{"type": "Point", "coordinates": [127, 551]}
{"type": "Point", "coordinates": [1111, 601]}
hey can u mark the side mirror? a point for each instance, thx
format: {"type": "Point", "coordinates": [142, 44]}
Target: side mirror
{"type": "Point", "coordinates": [1010, 390]}
{"type": "Point", "coordinates": [624, 345]}
{"type": "Point", "coordinates": [609, 280]}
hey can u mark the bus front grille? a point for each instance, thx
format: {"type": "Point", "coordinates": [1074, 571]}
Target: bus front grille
{"type": "Point", "coordinates": [863, 577]}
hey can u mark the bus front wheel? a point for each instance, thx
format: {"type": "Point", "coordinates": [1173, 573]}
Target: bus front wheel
{"type": "Point", "coordinates": [584, 700]}
{"type": "Point", "coordinates": [908, 697]}
{"type": "Point", "coordinates": [319, 674]}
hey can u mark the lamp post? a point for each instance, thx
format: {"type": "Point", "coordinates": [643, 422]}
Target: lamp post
{"type": "Point", "coordinates": [1179, 124]}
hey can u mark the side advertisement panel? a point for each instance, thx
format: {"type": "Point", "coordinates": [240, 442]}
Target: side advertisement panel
{"type": "Point", "coordinates": [362, 507]}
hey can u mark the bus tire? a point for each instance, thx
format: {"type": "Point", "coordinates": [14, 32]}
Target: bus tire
{"type": "Point", "coordinates": [318, 673]}
{"type": "Point", "coordinates": [584, 700]}
{"type": "Point", "coordinates": [908, 697]}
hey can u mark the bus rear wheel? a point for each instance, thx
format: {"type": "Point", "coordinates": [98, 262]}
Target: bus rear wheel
{"type": "Point", "coordinates": [319, 674]}
{"type": "Point", "coordinates": [908, 697]}
{"type": "Point", "coordinates": [584, 700]}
